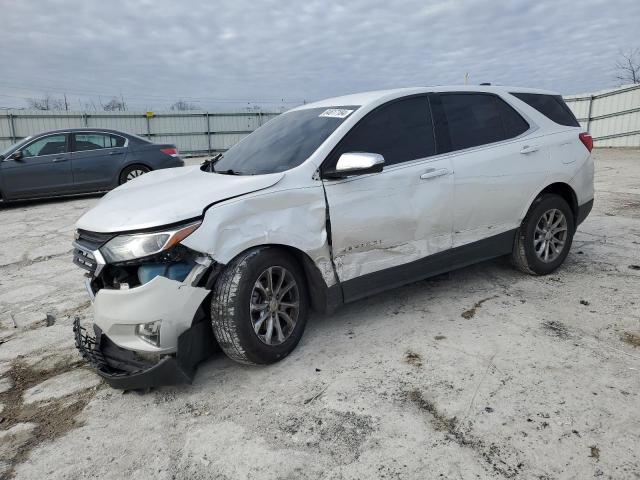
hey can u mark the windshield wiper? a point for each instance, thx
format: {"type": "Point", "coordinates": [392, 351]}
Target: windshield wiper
{"type": "Point", "coordinates": [228, 172]}
{"type": "Point", "coordinates": [207, 165]}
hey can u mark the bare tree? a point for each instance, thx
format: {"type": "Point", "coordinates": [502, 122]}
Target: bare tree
{"type": "Point", "coordinates": [628, 66]}
{"type": "Point", "coordinates": [115, 105]}
{"type": "Point", "coordinates": [182, 105]}
{"type": "Point", "coordinates": [47, 103]}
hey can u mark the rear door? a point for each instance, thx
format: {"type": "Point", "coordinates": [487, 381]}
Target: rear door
{"type": "Point", "coordinates": [497, 162]}
{"type": "Point", "coordinates": [44, 169]}
{"type": "Point", "coordinates": [383, 224]}
{"type": "Point", "coordinates": [97, 159]}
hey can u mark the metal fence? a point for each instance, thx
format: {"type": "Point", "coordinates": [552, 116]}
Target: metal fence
{"type": "Point", "coordinates": [611, 116]}
{"type": "Point", "coordinates": [192, 132]}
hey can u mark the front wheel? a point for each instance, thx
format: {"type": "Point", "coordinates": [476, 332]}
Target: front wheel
{"type": "Point", "coordinates": [544, 238]}
{"type": "Point", "coordinates": [259, 306]}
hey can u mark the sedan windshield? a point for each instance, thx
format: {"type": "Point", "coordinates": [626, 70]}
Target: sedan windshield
{"type": "Point", "coordinates": [6, 151]}
{"type": "Point", "coordinates": [284, 142]}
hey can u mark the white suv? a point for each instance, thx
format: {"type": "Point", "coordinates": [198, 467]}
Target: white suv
{"type": "Point", "coordinates": [325, 204]}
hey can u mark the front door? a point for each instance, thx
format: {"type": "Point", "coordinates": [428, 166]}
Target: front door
{"type": "Point", "coordinates": [384, 224]}
{"type": "Point", "coordinates": [44, 169]}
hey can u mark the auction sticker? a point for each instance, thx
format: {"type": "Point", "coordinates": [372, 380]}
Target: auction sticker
{"type": "Point", "coordinates": [336, 113]}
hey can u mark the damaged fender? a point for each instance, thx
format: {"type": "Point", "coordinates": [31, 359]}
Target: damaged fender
{"type": "Point", "coordinates": [294, 217]}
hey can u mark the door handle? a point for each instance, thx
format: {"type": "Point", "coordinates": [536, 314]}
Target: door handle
{"type": "Point", "coordinates": [434, 172]}
{"type": "Point", "coordinates": [59, 159]}
{"type": "Point", "coordinates": [529, 149]}
{"type": "Point", "coordinates": [116, 153]}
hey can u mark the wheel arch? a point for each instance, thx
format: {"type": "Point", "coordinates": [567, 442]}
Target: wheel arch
{"type": "Point", "coordinates": [565, 191]}
{"type": "Point", "coordinates": [322, 297]}
{"type": "Point", "coordinates": [560, 188]}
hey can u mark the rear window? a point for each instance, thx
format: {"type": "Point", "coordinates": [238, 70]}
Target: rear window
{"type": "Point", "coordinates": [551, 106]}
{"type": "Point", "coordinates": [473, 119]}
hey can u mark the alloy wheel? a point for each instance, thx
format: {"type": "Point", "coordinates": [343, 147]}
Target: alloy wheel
{"type": "Point", "coordinates": [135, 173]}
{"type": "Point", "coordinates": [550, 235]}
{"type": "Point", "coordinates": [274, 305]}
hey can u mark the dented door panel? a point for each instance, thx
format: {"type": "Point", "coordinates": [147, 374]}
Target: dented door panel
{"type": "Point", "coordinates": [384, 220]}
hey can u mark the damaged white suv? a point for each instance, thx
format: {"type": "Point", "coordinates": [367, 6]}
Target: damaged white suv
{"type": "Point", "coordinates": [325, 204]}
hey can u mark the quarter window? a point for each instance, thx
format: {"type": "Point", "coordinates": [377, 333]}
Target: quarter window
{"type": "Point", "coordinates": [97, 141]}
{"type": "Point", "coordinates": [50, 145]}
{"type": "Point", "coordinates": [551, 106]}
{"type": "Point", "coordinates": [473, 119]}
{"type": "Point", "coordinates": [399, 131]}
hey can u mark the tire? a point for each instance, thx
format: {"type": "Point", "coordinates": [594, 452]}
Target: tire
{"type": "Point", "coordinates": [530, 245]}
{"type": "Point", "coordinates": [132, 171]}
{"type": "Point", "coordinates": [236, 324]}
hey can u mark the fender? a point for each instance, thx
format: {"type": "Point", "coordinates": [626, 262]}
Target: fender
{"type": "Point", "coordinates": [294, 217]}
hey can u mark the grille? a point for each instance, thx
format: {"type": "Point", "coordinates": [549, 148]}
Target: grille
{"type": "Point", "coordinates": [93, 240]}
{"type": "Point", "coordinates": [86, 243]}
{"type": "Point", "coordinates": [84, 259]}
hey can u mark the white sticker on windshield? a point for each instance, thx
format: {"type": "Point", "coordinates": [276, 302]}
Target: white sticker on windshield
{"type": "Point", "coordinates": [336, 113]}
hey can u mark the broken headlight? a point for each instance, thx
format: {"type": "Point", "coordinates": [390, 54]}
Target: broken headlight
{"type": "Point", "coordinates": [139, 245]}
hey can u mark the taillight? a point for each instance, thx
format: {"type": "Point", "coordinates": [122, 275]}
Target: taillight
{"type": "Point", "coordinates": [587, 140]}
{"type": "Point", "coordinates": [170, 151]}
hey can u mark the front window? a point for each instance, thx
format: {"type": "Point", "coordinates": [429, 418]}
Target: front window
{"type": "Point", "coordinates": [53, 144]}
{"type": "Point", "coordinates": [284, 142]}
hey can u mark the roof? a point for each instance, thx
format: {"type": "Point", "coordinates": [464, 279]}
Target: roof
{"type": "Point", "coordinates": [377, 96]}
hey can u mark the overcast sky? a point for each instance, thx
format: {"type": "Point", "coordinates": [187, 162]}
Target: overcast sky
{"type": "Point", "coordinates": [224, 54]}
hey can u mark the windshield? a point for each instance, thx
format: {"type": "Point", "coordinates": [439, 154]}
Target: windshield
{"type": "Point", "coordinates": [284, 142]}
{"type": "Point", "coordinates": [6, 151]}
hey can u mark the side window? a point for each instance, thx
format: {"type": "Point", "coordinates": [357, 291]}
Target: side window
{"type": "Point", "coordinates": [50, 145]}
{"type": "Point", "coordinates": [474, 119]}
{"type": "Point", "coordinates": [399, 131]}
{"type": "Point", "coordinates": [551, 106]}
{"type": "Point", "coordinates": [97, 141]}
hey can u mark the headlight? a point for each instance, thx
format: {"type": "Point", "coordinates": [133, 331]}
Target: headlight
{"type": "Point", "coordinates": [138, 245]}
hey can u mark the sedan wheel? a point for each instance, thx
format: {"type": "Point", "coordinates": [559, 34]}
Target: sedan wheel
{"type": "Point", "coordinates": [135, 173]}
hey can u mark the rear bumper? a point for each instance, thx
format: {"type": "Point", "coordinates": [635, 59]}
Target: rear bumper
{"type": "Point", "coordinates": [583, 212]}
{"type": "Point", "coordinates": [125, 370]}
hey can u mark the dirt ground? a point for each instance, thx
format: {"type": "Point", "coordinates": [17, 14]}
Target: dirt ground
{"type": "Point", "coordinates": [482, 373]}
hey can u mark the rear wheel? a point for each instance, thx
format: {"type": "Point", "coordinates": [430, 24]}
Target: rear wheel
{"type": "Point", "coordinates": [133, 171]}
{"type": "Point", "coordinates": [545, 235]}
{"type": "Point", "coordinates": [259, 306]}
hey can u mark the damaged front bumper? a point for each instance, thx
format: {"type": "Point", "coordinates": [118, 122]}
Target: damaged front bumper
{"type": "Point", "coordinates": [150, 327]}
{"type": "Point", "coordinates": [126, 370]}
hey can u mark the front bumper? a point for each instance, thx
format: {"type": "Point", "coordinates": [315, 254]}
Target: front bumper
{"type": "Point", "coordinates": [117, 312]}
{"type": "Point", "coordinates": [123, 369]}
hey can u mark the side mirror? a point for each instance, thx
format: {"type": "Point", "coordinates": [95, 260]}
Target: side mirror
{"type": "Point", "coordinates": [356, 163]}
{"type": "Point", "coordinates": [17, 155]}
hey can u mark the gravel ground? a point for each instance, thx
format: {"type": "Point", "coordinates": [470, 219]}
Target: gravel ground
{"type": "Point", "coordinates": [480, 373]}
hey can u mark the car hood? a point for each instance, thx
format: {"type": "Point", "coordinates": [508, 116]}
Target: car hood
{"type": "Point", "coordinates": [168, 196]}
